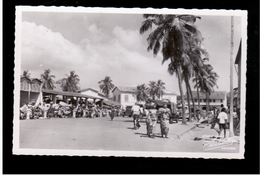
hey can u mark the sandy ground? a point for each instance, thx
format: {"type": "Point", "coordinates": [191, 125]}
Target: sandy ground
{"type": "Point", "coordinates": [104, 134]}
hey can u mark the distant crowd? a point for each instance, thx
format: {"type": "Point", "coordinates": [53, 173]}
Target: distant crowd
{"type": "Point", "coordinates": [63, 110]}
{"type": "Point", "coordinates": [217, 117]}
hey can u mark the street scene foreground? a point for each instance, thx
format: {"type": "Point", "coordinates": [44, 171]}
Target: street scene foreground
{"type": "Point", "coordinates": [119, 135]}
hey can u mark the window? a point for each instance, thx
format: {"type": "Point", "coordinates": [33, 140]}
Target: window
{"type": "Point", "coordinates": [221, 101]}
{"type": "Point", "coordinates": [126, 98]}
{"type": "Point", "coordinates": [118, 98]}
{"type": "Point", "coordinates": [114, 98]}
{"type": "Point", "coordinates": [209, 100]}
{"type": "Point", "coordinates": [214, 100]}
{"type": "Point", "coordinates": [200, 100]}
{"type": "Point", "coordinates": [204, 100]}
{"type": "Point", "coordinates": [195, 100]}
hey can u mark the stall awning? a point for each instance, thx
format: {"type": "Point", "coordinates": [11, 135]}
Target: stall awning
{"type": "Point", "coordinates": [111, 103]}
{"type": "Point", "coordinates": [69, 94]}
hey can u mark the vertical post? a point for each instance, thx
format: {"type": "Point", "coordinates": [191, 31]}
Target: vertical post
{"type": "Point", "coordinates": [54, 98]}
{"type": "Point", "coordinates": [77, 101]}
{"type": "Point", "coordinates": [231, 132]}
{"type": "Point", "coordinates": [86, 101]}
{"type": "Point", "coordinates": [101, 104]}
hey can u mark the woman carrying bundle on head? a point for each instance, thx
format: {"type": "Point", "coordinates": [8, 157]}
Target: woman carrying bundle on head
{"type": "Point", "coordinates": [164, 122]}
{"type": "Point", "coordinates": [151, 121]}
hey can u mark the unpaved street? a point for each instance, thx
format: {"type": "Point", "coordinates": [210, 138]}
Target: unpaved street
{"type": "Point", "coordinates": [104, 134]}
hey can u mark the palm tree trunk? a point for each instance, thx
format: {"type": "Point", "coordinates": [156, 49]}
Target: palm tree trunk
{"type": "Point", "coordinates": [181, 91]}
{"type": "Point", "coordinates": [188, 99]}
{"type": "Point", "coordinates": [193, 103]}
{"type": "Point", "coordinates": [198, 93]}
{"type": "Point", "coordinates": [207, 102]}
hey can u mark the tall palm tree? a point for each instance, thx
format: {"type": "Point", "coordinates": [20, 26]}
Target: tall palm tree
{"type": "Point", "coordinates": [70, 83]}
{"type": "Point", "coordinates": [160, 88]}
{"type": "Point", "coordinates": [47, 80]}
{"type": "Point", "coordinates": [141, 92]}
{"type": "Point", "coordinates": [176, 34]}
{"type": "Point", "coordinates": [186, 75]}
{"type": "Point", "coordinates": [152, 89]}
{"type": "Point", "coordinates": [207, 82]}
{"type": "Point", "coordinates": [198, 67]}
{"type": "Point", "coordinates": [106, 85]}
{"type": "Point", "coordinates": [26, 74]}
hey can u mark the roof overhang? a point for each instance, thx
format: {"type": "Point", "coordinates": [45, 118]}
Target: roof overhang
{"type": "Point", "coordinates": [70, 94]}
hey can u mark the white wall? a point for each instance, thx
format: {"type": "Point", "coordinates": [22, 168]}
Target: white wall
{"type": "Point", "coordinates": [171, 97]}
{"type": "Point", "coordinates": [131, 99]}
{"type": "Point", "coordinates": [90, 92]}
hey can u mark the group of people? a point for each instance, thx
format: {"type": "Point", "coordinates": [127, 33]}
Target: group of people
{"type": "Point", "coordinates": [31, 110]}
{"type": "Point", "coordinates": [152, 117]}
{"type": "Point", "coordinates": [52, 110]}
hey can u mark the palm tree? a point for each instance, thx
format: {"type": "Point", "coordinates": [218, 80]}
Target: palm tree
{"type": "Point", "coordinates": [47, 80]}
{"type": "Point", "coordinates": [141, 92]}
{"type": "Point", "coordinates": [177, 35]}
{"type": "Point", "coordinates": [106, 85]}
{"type": "Point", "coordinates": [152, 89]}
{"type": "Point", "coordinates": [186, 75]}
{"type": "Point", "coordinates": [70, 83]}
{"type": "Point", "coordinates": [198, 68]}
{"type": "Point", "coordinates": [26, 74]}
{"type": "Point", "coordinates": [207, 82]}
{"type": "Point", "coordinates": [160, 88]}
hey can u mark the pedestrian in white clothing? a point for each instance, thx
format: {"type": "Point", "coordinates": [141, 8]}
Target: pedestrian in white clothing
{"type": "Point", "coordinates": [222, 116]}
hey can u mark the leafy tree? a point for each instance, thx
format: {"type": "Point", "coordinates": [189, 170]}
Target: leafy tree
{"type": "Point", "coordinates": [26, 74]}
{"type": "Point", "coordinates": [152, 89]}
{"type": "Point", "coordinates": [141, 92]}
{"type": "Point", "coordinates": [106, 85]}
{"type": "Point", "coordinates": [47, 80]}
{"type": "Point", "coordinates": [206, 82]}
{"type": "Point", "coordinates": [160, 88]}
{"type": "Point", "coordinates": [70, 83]}
{"type": "Point", "coordinates": [177, 35]}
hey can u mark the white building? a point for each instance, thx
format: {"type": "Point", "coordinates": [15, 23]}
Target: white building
{"type": "Point", "coordinates": [126, 96]}
{"type": "Point", "coordinates": [169, 95]}
{"type": "Point", "coordinates": [216, 98]}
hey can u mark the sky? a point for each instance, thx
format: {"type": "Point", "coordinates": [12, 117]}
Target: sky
{"type": "Point", "coordinates": [96, 45]}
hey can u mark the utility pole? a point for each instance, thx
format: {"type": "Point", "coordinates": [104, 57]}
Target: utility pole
{"type": "Point", "coordinates": [231, 132]}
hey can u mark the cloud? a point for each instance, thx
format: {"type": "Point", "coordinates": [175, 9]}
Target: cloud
{"type": "Point", "coordinates": [118, 54]}
{"type": "Point", "coordinates": [42, 46]}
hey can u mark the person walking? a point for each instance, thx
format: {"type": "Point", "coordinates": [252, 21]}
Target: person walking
{"type": "Point", "coordinates": [151, 121]}
{"type": "Point", "coordinates": [113, 113]}
{"type": "Point", "coordinates": [50, 112]}
{"type": "Point", "coordinates": [136, 115]}
{"type": "Point", "coordinates": [164, 122]}
{"type": "Point", "coordinates": [222, 116]}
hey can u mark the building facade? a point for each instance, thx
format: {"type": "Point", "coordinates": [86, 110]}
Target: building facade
{"type": "Point", "coordinates": [30, 90]}
{"type": "Point", "coordinates": [126, 96]}
{"type": "Point", "coordinates": [169, 95]}
{"type": "Point", "coordinates": [92, 92]}
{"type": "Point", "coordinates": [216, 98]}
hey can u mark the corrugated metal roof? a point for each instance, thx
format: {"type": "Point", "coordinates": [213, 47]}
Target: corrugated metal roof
{"type": "Point", "coordinates": [72, 94]}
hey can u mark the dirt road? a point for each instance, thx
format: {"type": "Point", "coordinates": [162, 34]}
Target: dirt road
{"type": "Point", "coordinates": [101, 134]}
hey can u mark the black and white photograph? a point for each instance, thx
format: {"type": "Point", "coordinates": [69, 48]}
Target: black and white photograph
{"type": "Point", "coordinates": [130, 82]}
